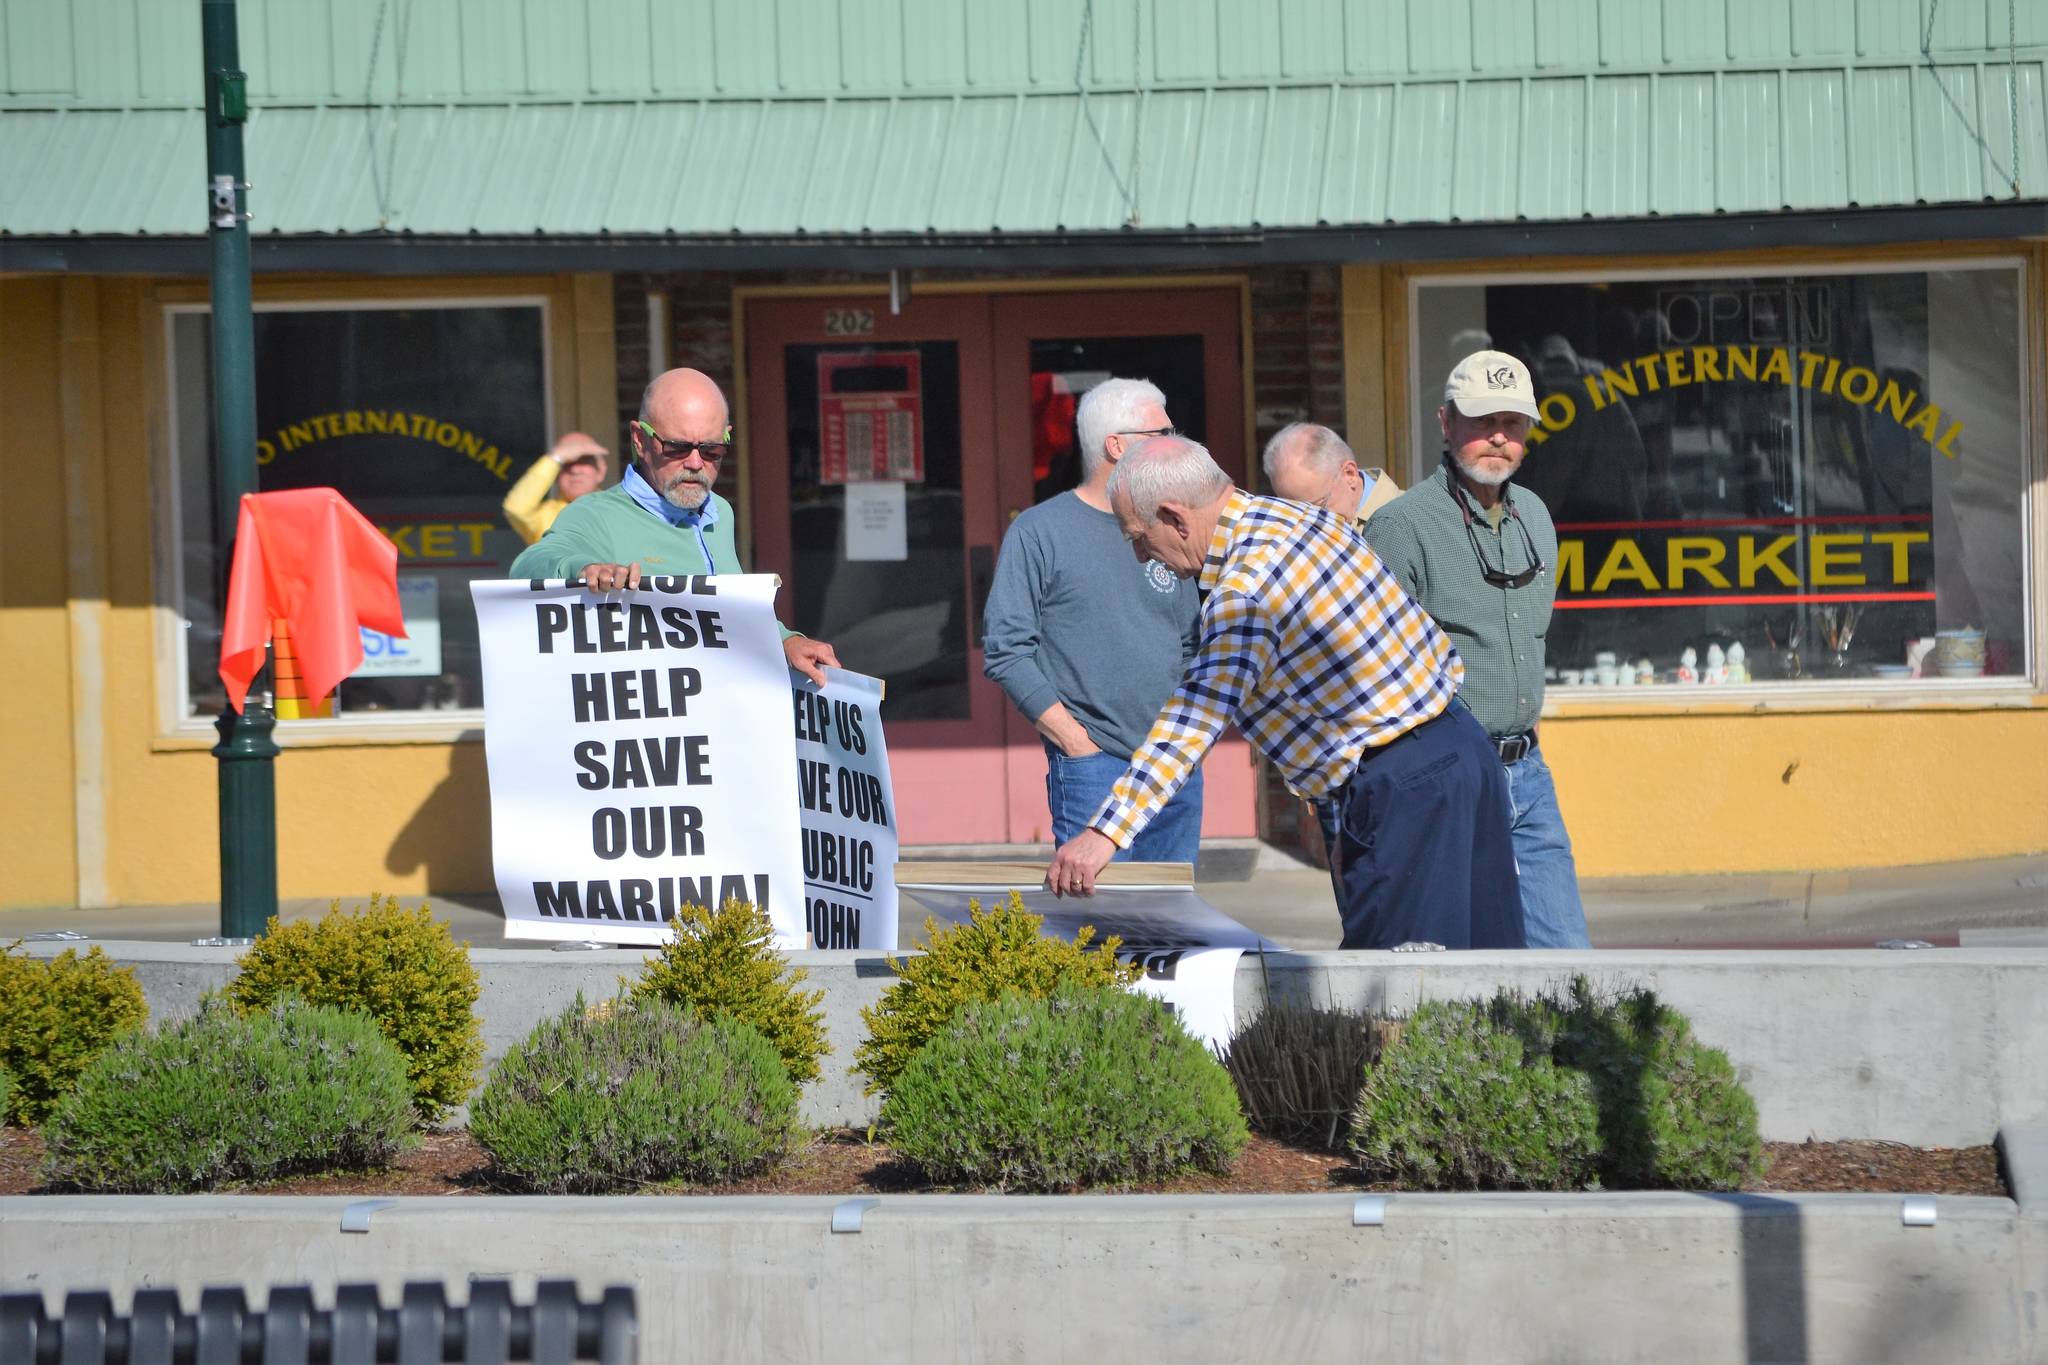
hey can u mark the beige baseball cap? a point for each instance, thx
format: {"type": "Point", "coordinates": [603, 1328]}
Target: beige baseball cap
{"type": "Point", "coordinates": [1491, 381]}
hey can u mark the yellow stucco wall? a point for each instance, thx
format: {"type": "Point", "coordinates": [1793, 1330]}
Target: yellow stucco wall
{"type": "Point", "coordinates": [81, 380]}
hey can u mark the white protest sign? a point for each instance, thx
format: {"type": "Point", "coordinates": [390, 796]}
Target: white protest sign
{"type": "Point", "coordinates": [848, 811]}
{"type": "Point", "coordinates": [1188, 948]}
{"type": "Point", "coordinates": [635, 767]}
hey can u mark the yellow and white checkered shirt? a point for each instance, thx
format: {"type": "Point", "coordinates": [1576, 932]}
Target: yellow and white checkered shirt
{"type": "Point", "coordinates": [1307, 643]}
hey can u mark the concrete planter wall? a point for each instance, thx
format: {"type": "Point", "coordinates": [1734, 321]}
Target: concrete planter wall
{"type": "Point", "coordinates": [1935, 1047]}
{"type": "Point", "coordinates": [1453, 1278]}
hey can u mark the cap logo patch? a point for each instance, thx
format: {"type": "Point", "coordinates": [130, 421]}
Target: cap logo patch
{"type": "Point", "coordinates": [1500, 378]}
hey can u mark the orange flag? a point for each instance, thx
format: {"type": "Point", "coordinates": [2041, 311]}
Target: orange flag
{"type": "Point", "coordinates": [307, 557]}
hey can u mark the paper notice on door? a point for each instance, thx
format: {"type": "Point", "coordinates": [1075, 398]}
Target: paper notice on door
{"type": "Point", "coordinates": [875, 522]}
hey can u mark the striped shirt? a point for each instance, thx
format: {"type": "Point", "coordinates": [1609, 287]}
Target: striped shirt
{"type": "Point", "coordinates": [1421, 539]}
{"type": "Point", "coordinates": [1306, 643]}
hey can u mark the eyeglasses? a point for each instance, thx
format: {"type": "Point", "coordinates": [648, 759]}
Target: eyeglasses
{"type": "Point", "coordinates": [1500, 578]}
{"type": "Point", "coordinates": [711, 452]}
{"type": "Point", "coordinates": [1156, 431]}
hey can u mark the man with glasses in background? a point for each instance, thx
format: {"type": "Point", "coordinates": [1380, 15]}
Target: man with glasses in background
{"type": "Point", "coordinates": [1087, 644]}
{"type": "Point", "coordinates": [1477, 554]}
{"type": "Point", "coordinates": [1306, 462]}
{"type": "Point", "coordinates": [662, 517]}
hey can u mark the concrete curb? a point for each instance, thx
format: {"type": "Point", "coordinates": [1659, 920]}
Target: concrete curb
{"type": "Point", "coordinates": [1936, 1047]}
{"type": "Point", "coordinates": [1587, 1277]}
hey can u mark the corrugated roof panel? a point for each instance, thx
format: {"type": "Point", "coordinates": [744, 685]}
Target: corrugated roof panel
{"type": "Point", "coordinates": [328, 182]}
{"type": "Point", "coordinates": [493, 48]}
{"type": "Point", "coordinates": [1695, 31]}
{"type": "Point", "coordinates": [1048, 136]}
{"type": "Point", "coordinates": [1296, 145]}
{"type": "Point", "coordinates": [1488, 185]}
{"type": "Point", "coordinates": [934, 40]}
{"type": "Point", "coordinates": [1631, 33]}
{"type": "Point", "coordinates": [1618, 147]}
{"type": "Point", "coordinates": [432, 37]}
{"type": "Point", "coordinates": [1183, 51]}
{"type": "Point", "coordinates": [742, 47]}
{"type": "Point", "coordinates": [806, 46]}
{"type": "Point", "coordinates": [1961, 25]}
{"type": "Point", "coordinates": [1098, 179]}
{"type": "Point", "coordinates": [1311, 34]}
{"type": "Point", "coordinates": [870, 44]}
{"type": "Point", "coordinates": [1823, 28]}
{"type": "Point", "coordinates": [654, 157]}
{"type": "Point", "coordinates": [1171, 149]}
{"type": "Point", "coordinates": [1376, 37]}
{"type": "Point", "coordinates": [1503, 35]}
{"type": "Point", "coordinates": [167, 49]}
{"type": "Point", "coordinates": [1419, 181]}
{"type": "Point", "coordinates": [1568, 34]}
{"type": "Point", "coordinates": [96, 171]}
{"type": "Point", "coordinates": [779, 167]}
{"type": "Point", "coordinates": [1682, 145]}
{"type": "Point", "coordinates": [165, 200]}
{"type": "Point", "coordinates": [620, 41]}
{"type": "Point", "coordinates": [1816, 157]}
{"type": "Point", "coordinates": [444, 178]}
{"type": "Point", "coordinates": [1880, 133]}
{"type": "Point", "coordinates": [1997, 148]}
{"type": "Point", "coordinates": [1247, 42]}
{"type": "Point", "coordinates": [39, 53]}
{"type": "Point", "coordinates": [574, 197]}
{"type": "Point", "coordinates": [724, 152]}
{"type": "Point", "coordinates": [557, 48]}
{"type": "Point", "coordinates": [907, 152]}
{"type": "Point", "coordinates": [998, 46]}
{"type": "Point", "coordinates": [1361, 147]}
{"type": "Point", "coordinates": [1553, 149]}
{"type": "Point", "coordinates": [1747, 169]}
{"type": "Point", "coordinates": [108, 30]}
{"type": "Point", "coordinates": [291, 50]}
{"type": "Point", "coordinates": [840, 189]}
{"type": "Point", "coordinates": [969, 178]}
{"type": "Point", "coordinates": [26, 141]}
{"type": "Point", "coordinates": [1888, 26]}
{"type": "Point", "coordinates": [363, 52]}
{"type": "Point", "coordinates": [1112, 44]}
{"type": "Point", "coordinates": [1946, 120]}
{"type": "Point", "coordinates": [1439, 36]}
{"type": "Point", "coordinates": [1233, 140]}
{"type": "Point", "coordinates": [1759, 30]}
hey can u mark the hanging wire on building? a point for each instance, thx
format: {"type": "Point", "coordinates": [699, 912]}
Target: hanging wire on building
{"type": "Point", "coordinates": [2012, 84]}
{"type": "Point", "coordinates": [1128, 192]}
{"type": "Point", "coordinates": [381, 175]}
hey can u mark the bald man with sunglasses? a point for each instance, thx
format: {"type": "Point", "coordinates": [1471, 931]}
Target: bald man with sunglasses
{"type": "Point", "coordinates": [662, 519]}
{"type": "Point", "coordinates": [1477, 553]}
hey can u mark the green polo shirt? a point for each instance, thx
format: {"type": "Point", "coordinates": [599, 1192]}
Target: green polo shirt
{"type": "Point", "coordinates": [1420, 537]}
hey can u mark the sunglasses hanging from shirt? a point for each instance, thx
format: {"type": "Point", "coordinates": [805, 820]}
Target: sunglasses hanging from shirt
{"type": "Point", "coordinates": [1499, 578]}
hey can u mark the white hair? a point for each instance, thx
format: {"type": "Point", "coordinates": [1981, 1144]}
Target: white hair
{"type": "Point", "coordinates": [1320, 450]}
{"type": "Point", "coordinates": [1167, 469]}
{"type": "Point", "coordinates": [1111, 407]}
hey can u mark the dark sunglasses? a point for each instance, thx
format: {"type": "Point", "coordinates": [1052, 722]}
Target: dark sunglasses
{"type": "Point", "coordinates": [710, 451]}
{"type": "Point", "coordinates": [1499, 578]}
{"type": "Point", "coordinates": [1156, 431]}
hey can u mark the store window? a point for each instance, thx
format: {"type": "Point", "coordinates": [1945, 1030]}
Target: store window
{"type": "Point", "coordinates": [1774, 479]}
{"type": "Point", "coordinates": [422, 416]}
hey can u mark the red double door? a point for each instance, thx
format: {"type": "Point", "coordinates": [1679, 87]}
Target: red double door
{"type": "Point", "coordinates": [886, 454]}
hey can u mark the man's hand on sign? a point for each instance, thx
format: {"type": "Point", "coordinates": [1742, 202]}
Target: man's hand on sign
{"type": "Point", "coordinates": [809, 657]}
{"type": "Point", "coordinates": [1079, 859]}
{"type": "Point", "coordinates": [609, 577]}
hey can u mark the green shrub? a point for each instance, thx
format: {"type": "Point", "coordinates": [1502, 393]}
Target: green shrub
{"type": "Point", "coordinates": [1673, 1115]}
{"type": "Point", "coordinates": [401, 967]}
{"type": "Point", "coordinates": [995, 951]}
{"type": "Point", "coordinates": [724, 963]}
{"type": "Point", "coordinates": [1089, 1086]}
{"type": "Point", "coordinates": [6, 1094]}
{"type": "Point", "coordinates": [1456, 1102]}
{"type": "Point", "coordinates": [631, 1094]}
{"type": "Point", "coordinates": [1298, 1069]}
{"type": "Point", "coordinates": [57, 1015]}
{"type": "Point", "coordinates": [220, 1097]}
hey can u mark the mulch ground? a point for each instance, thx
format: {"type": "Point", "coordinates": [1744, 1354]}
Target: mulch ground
{"type": "Point", "coordinates": [844, 1162]}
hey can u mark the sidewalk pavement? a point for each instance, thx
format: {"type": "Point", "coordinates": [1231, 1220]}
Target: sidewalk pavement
{"type": "Point", "coordinates": [1998, 902]}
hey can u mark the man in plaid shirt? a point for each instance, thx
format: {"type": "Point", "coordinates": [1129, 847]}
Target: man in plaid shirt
{"type": "Point", "coordinates": [1347, 686]}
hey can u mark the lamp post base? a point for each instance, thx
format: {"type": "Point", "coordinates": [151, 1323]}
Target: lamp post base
{"type": "Point", "coordinates": [248, 820]}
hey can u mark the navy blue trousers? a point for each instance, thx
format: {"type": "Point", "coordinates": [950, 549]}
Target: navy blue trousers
{"type": "Point", "coordinates": [1419, 844]}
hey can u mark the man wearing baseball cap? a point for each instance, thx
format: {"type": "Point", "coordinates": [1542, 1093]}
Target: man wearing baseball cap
{"type": "Point", "coordinates": [1478, 554]}
{"type": "Point", "coordinates": [575, 466]}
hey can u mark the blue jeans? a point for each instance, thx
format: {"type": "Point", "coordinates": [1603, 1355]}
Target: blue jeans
{"type": "Point", "coordinates": [1552, 916]}
{"type": "Point", "coordinates": [1075, 789]}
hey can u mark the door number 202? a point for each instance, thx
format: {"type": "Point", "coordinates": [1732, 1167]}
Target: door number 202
{"type": "Point", "coordinates": [849, 322]}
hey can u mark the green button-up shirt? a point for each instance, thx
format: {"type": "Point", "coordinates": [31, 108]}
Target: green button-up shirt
{"type": "Point", "coordinates": [1421, 538]}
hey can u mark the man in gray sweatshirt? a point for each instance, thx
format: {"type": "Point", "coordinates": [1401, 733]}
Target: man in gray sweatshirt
{"type": "Point", "coordinates": [1086, 641]}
